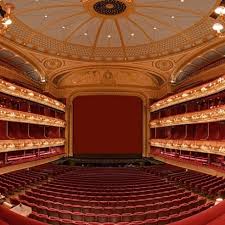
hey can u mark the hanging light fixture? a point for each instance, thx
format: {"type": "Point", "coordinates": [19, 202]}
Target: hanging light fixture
{"type": "Point", "coordinates": [219, 25]}
{"type": "Point", "coordinates": [5, 15]}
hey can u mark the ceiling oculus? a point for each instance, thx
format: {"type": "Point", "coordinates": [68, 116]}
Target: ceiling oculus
{"type": "Point", "coordinates": [110, 7]}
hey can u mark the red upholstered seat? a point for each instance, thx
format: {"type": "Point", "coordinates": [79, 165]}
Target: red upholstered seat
{"type": "Point", "coordinates": [53, 212]}
{"type": "Point", "coordinates": [152, 214]}
{"type": "Point", "coordinates": [126, 217]}
{"type": "Point", "coordinates": [64, 214]}
{"type": "Point", "coordinates": [139, 216]}
{"type": "Point", "coordinates": [163, 220]}
{"type": "Point", "coordinates": [115, 218]}
{"type": "Point", "coordinates": [54, 221]}
{"type": "Point", "coordinates": [67, 222]}
{"type": "Point", "coordinates": [90, 217]}
{"type": "Point", "coordinates": [102, 218]}
{"type": "Point", "coordinates": [76, 216]}
{"type": "Point", "coordinates": [151, 222]}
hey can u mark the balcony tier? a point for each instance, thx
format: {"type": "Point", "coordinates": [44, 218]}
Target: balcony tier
{"type": "Point", "coordinates": [25, 117]}
{"type": "Point", "coordinates": [212, 147]}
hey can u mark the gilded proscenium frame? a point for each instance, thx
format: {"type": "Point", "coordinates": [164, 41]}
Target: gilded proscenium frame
{"type": "Point", "coordinates": [69, 116]}
{"type": "Point", "coordinates": [28, 144]}
{"type": "Point", "coordinates": [24, 93]}
{"type": "Point", "coordinates": [191, 94]}
{"type": "Point", "coordinates": [211, 147]}
{"type": "Point", "coordinates": [31, 118]}
{"type": "Point", "coordinates": [204, 116]}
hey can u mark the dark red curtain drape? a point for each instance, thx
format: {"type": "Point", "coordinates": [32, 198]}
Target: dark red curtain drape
{"type": "Point", "coordinates": [107, 125]}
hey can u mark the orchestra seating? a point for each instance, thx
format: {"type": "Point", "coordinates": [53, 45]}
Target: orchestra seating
{"type": "Point", "coordinates": [204, 184]}
{"type": "Point", "coordinates": [19, 180]}
{"type": "Point", "coordinates": [69, 195]}
{"type": "Point", "coordinates": [111, 195]}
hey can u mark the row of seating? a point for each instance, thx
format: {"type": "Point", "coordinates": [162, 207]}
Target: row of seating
{"type": "Point", "coordinates": [115, 219]}
{"type": "Point", "coordinates": [204, 184]}
{"type": "Point", "coordinates": [155, 198]}
{"type": "Point", "coordinates": [112, 209]}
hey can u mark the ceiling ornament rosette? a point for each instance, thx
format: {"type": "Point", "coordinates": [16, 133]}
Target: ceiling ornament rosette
{"type": "Point", "coordinates": [143, 30]}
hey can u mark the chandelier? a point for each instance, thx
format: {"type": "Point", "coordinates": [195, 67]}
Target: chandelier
{"type": "Point", "coordinates": [219, 25]}
{"type": "Point", "coordinates": [5, 15]}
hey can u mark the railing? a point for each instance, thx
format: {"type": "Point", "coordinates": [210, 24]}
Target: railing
{"type": "Point", "coordinates": [212, 147]}
{"type": "Point", "coordinates": [28, 144]}
{"type": "Point", "coordinates": [204, 116]}
{"type": "Point", "coordinates": [191, 94]}
{"type": "Point", "coordinates": [24, 93]}
{"type": "Point", "coordinates": [25, 117]}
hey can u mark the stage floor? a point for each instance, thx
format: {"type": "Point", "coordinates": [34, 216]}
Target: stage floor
{"type": "Point", "coordinates": [108, 162]}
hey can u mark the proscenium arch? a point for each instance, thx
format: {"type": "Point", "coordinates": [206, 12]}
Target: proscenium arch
{"type": "Point", "coordinates": [69, 115]}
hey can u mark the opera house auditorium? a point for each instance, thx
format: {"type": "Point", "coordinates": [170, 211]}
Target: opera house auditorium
{"type": "Point", "coordinates": [112, 112]}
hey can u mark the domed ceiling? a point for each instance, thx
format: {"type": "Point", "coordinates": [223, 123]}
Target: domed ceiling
{"type": "Point", "coordinates": [112, 30]}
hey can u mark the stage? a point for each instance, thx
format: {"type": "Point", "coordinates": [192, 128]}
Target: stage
{"type": "Point", "coordinates": [109, 162]}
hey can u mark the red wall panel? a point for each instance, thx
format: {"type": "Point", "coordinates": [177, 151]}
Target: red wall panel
{"type": "Point", "coordinates": [107, 125]}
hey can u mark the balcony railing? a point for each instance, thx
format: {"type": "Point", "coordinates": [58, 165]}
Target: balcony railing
{"type": "Point", "coordinates": [191, 94]}
{"type": "Point", "coordinates": [204, 146]}
{"type": "Point", "coordinates": [25, 117]}
{"type": "Point", "coordinates": [28, 144]}
{"type": "Point", "coordinates": [24, 93]}
{"type": "Point", "coordinates": [204, 116]}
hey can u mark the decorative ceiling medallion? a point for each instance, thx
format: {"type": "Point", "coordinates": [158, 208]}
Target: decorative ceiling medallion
{"type": "Point", "coordinates": [164, 65]}
{"type": "Point", "coordinates": [52, 64]}
{"type": "Point", "coordinates": [108, 78]}
{"type": "Point", "coordinates": [109, 7]}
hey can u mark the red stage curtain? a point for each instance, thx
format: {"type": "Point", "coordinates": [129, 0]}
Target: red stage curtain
{"type": "Point", "coordinates": [107, 125]}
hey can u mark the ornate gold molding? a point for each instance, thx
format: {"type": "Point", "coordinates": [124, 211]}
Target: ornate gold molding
{"type": "Point", "coordinates": [193, 93]}
{"type": "Point", "coordinates": [25, 117]}
{"type": "Point", "coordinates": [28, 144]}
{"type": "Point", "coordinates": [17, 91]}
{"type": "Point", "coordinates": [204, 116]}
{"type": "Point", "coordinates": [212, 147]}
